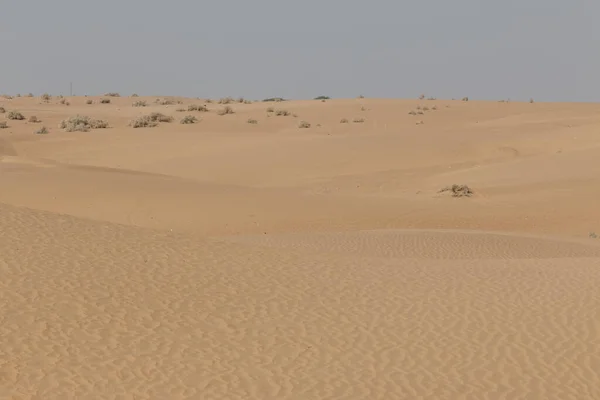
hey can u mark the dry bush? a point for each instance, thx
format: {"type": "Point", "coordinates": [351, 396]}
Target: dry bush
{"type": "Point", "coordinates": [344, 121]}
{"type": "Point", "coordinates": [282, 113]}
{"type": "Point", "coordinates": [188, 119]}
{"type": "Point", "coordinates": [431, 98]}
{"type": "Point", "coordinates": [275, 99]}
{"type": "Point", "coordinates": [303, 124]}
{"type": "Point", "coordinates": [434, 108]}
{"type": "Point", "coordinates": [89, 101]}
{"type": "Point", "coordinates": [46, 97]}
{"type": "Point", "coordinates": [2, 110]}
{"type": "Point", "coordinates": [180, 109]}
{"type": "Point", "coordinates": [143, 122]}
{"type": "Point", "coordinates": [270, 109]}
{"type": "Point", "coordinates": [358, 120]}
{"type": "Point", "coordinates": [42, 131]}
{"type": "Point", "coordinates": [7, 96]}
{"type": "Point", "coordinates": [112, 94]}
{"type": "Point", "coordinates": [33, 119]}
{"type": "Point", "coordinates": [15, 115]}
{"type": "Point", "coordinates": [195, 107]}
{"type": "Point", "coordinates": [322, 98]}
{"type": "Point", "coordinates": [158, 117]}
{"type": "Point", "coordinates": [3, 125]}
{"type": "Point", "coordinates": [252, 121]}
{"type": "Point", "coordinates": [167, 102]}
{"type": "Point", "coordinates": [420, 112]}
{"type": "Point", "coordinates": [226, 110]}
{"type": "Point", "coordinates": [226, 100]}
{"type": "Point", "coordinates": [531, 101]}
{"type": "Point", "coordinates": [465, 99]}
{"type": "Point", "coordinates": [135, 95]}
{"type": "Point", "coordinates": [425, 108]}
{"type": "Point", "coordinates": [421, 97]}
{"type": "Point", "coordinates": [105, 101]}
{"type": "Point", "coordinates": [64, 102]}
{"type": "Point", "coordinates": [29, 95]}
{"type": "Point", "coordinates": [360, 96]}
{"type": "Point", "coordinates": [140, 103]}
{"type": "Point", "coordinates": [81, 123]}
{"type": "Point", "coordinates": [413, 112]}
{"type": "Point", "coordinates": [458, 190]}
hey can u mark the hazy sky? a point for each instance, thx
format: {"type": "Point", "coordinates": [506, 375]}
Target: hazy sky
{"type": "Point", "coordinates": [484, 49]}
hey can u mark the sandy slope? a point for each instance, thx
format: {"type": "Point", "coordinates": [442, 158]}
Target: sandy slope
{"type": "Point", "coordinates": [224, 260]}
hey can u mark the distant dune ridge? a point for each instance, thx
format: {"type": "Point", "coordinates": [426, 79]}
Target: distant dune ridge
{"type": "Point", "coordinates": [329, 249]}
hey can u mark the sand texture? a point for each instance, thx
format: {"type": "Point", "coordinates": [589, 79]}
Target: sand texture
{"type": "Point", "coordinates": [233, 260]}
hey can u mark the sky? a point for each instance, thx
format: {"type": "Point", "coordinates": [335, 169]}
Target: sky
{"type": "Point", "coordinates": [548, 50]}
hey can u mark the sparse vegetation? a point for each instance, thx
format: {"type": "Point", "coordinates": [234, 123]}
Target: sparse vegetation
{"type": "Point", "coordinates": [112, 94]}
{"type": "Point", "coordinates": [270, 109]}
{"type": "Point", "coordinates": [431, 98]}
{"type": "Point", "coordinates": [165, 102]}
{"type": "Point", "coordinates": [465, 99]}
{"type": "Point", "coordinates": [226, 110]}
{"type": "Point", "coordinates": [275, 99]}
{"type": "Point", "coordinates": [303, 125]}
{"type": "Point", "coordinates": [82, 123]}
{"type": "Point", "coordinates": [458, 190]}
{"type": "Point", "coordinates": [3, 125]}
{"type": "Point", "coordinates": [180, 109]}
{"type": "Point", "coordinates": [33, 119]}
{"type": "Point", "coordinates": [46, 97]}
{"type": "Point", "coordinates": [593, 235]}
{"type": "Point", "coordinates": [89, 101]}
{"type": "Point", "coordinates": [412, 112]}
{"type": "Point", "coordinates": [252, 121]}
{"type": "Point", "coordinates": [64, 101]}
{"type": "Point", "coordinates": [135, 95]}
{"type": "Point", "coordinates": [140, 103]}
{"type": "Point", "coordinates": [358, 120]}
{"type": "Point", "coordinates": [29, 95]}
{"type": "Point", "coordinates": [282, 113]}
{"type": "Point", "coordinates": [195, 107]}
{"type": "Point", "coordinates": [42, 131]}
{"type": "Point", "coordinates": [2, 110]}
{"type": "Point", "coordinates": [143, 122]}
{"type": "Point", "coordinates": [158, 117]}
{"type": "Point", "coordinates": [322, 98]}
{"type": "Point", "coordinates": [360, 96]}
{"type": "Point", "coordinates": [15, 115]}
{"type": "Point", "coordinates": [531, 101]}
{"type": "Point", "coordinates": [105, 101]}
{"type": "Point", "coordinates": [425, 108]}
{"type": "Point", "coordinates": [420, 112]}
{"type": "Point", "coordinates": [344, 121]}
{"type": "Point", "coordinates": [226, 100]}
{"type": "Point", "coordinates": [421, 97]}
{"type": "Point", "coordinates": [434, 108]}
{"type": "Point", "coordinates": [188, 119]}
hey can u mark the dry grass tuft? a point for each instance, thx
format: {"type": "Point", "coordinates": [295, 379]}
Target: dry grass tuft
{"type": "Point", "coordinates": [3, 125]}
{"type": "Point", "coordinates": [143, 122]}
{"type": "Point", "coordinates": [82, 123]}
{"type": "Point", "coordinates": [112, 94]}
{"type": "Point", "coordinates": [105, 101]}
{"type": "Point", "coordinates": [33, 119]}
{"type": "Point", "coordinates": [226, 110]}
{"type": "Point", "coordinates": [42, 131]}
{"type": "Point", "coordinates": [226, 100]}
{"type": "Point", "coordinates": [2, 110]}
{"type": "Point", "coordinates": [15, 115]}
{"type": "Point", "coordinates": [188, 119]}
{"type": "Point", "coordinates": [282, 113]}
{"type": "Point", "coordinates": [252, 121]}
{"type": "Point", "coordinates": [303, 125]}
{"type": "Point", "coordinates": [465, 99]}
{"type": "Point", "coordinates": [358, 120]}
{"type": "Point", "coordinates": [458, 190]}
{"type": "Point", "coordinates": [195, 107]}
{"type": "Point", "coordinates": [344, 121]}
{"type": "Point", "coordinates": [89, 101]}
{"type": "Point", "coordinates": [64, 102]}
{"type": "Point", "coordinates": [140, 103]}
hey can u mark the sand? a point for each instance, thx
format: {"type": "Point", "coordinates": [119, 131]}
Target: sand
{"type": "Point", "coordinates": [228, 260]}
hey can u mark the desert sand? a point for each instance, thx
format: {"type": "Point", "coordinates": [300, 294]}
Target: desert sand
{"type": "Point", "coordinates": [230, 260]}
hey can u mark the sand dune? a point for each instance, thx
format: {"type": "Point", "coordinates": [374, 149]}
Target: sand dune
{"type": "Point", "coordinates": [227, 260]}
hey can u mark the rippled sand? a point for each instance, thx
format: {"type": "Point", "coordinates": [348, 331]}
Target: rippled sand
{"type": "Point", "coordinates": [224, 260]}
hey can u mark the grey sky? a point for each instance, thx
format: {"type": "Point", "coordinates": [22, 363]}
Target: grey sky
{"type": "Point", "coordinates": [484, 49]}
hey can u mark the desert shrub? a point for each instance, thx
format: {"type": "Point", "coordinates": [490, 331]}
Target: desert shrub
{"type": "Point", "coordinates": [158, 117]}
{"type": "Point", "coordinates": [195, 107]}
{"type": "Point", "coordinates": [344, 121]}
{"type": "Point", "coordinates": [322, 98]}
{"type": "Point", "coordinates": [7, 96]}
{"type": "Point", "coordinates": [358, 120]}
{"type": "Point", "coordinates": [531, 101]}
{"type": "Point", "coordinates": [412, 112]}
{"type": "Point", "coordinates": [241, 100]}
{"type": "Point", "coordinates": [2, 110]}
{"type": "Point", "coordinates": [135, 95]}
{"type": "Point", "coordinates": [112, 94]}
{"type": "Point", "coordinates": [226, 100]}
{"type": "Point", "coordinates": [180, 109]}
{"type": "Point", "coordinates": [188, 119]}
{"type": "Point", "coordinates": [275, 99]}
{"type": "Point", "coordinates": [282, 113]}
{"type": "Point", "coordinates": [431, 98]}
{"type": "Point", "coordinates": [304, 124]}
{"type": "Point", "coordinates": [143, 122]}
{"type": "Point", "coordinates": [360, 96]}
{"type": "Point", "coordinates": [64, 102]}
{"type": "Point", "coordinates": [226, 110]}
{"type": "Point", "coordinates": [419, 107]}
{"type": "Point", "coordinates": [29, 95]}
{"type": "Point", "coordinates": [465, 99]}
{"type": "Point", "coordinates": [425, 108]}
{"type": "Point", "coordinates": [81, 123]}
{"type": "Point", "coordinates": [42, 131]}
{"type": "Point", "coordinates": [420, 112]}
{"type": "Point", "coordinates": [593, 235]}
{"type": "Point", "coordinates": [140, 103]}
{"type": "Point", "coordinates": [3, 125]}
{"type": "Point", "coordinates": [252, 121]}
{"type": "Point", "coordinates": [421, 97]}
{"type": "Point", "coordinates": [270, 109]}
{"type": "Point", "coordinates": [34, 119]}
{"type": "Point", "coordinates": [15, 115]}
{"type": "Point", "coordinates": [247, 101]}
{"type": "Point", "coordinates": [458, 190]}
{"type": "Point", "coordinates": [89, 101]}
{"type": "Point", "coordinates": [105, 101]}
